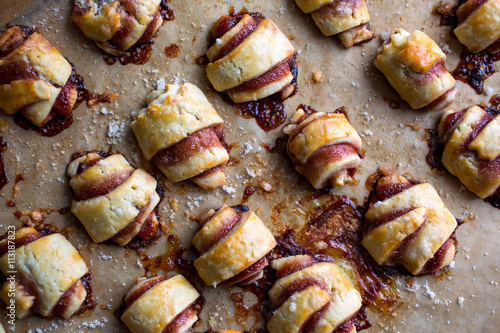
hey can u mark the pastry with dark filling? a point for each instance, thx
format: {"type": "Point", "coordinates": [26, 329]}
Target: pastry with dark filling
{"type": "Point", "coordinates": [414, 66]}
{"type": "Point", "coordinates": [116, 26]}
{"type": "Point", "coordinates": [408, 225]}
{"type": "Point", "coordinates": [324, 147]}
{"type": "Point", "coordinates": [35, 79]}
{"type": "Point", "coordinates": [233, 245]}
{"type": "Point", "coordinates": [250, 58]}
{"type": "Point", "coordinates": [179, 132]}
{"type": "Point", "coordinates": [471, 140]}
{"type": "Point", "coordinates": [48, 274]}
{"type": "Point", "coordinates": [311, 294]}
{"type": "Point", "coordinates": [479, 25]}
{"type": "Point", "coordinates": [112, 199]}
{"type": "Point", "coordinates": [158, 305]}
{"type": "Point", "coordinates": [347, 18]}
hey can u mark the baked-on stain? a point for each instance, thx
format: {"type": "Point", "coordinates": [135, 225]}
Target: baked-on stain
{"type": "Point", "coordinates": [393, 104]}
{"type": "Point", "coordinates": [172, 51]}
{"type": "Point", "coordinates": [473, 68]}
{"type": "Point", "coordinates": [4, 179]}
{"type": "Point", "coordinates": [140, 53]}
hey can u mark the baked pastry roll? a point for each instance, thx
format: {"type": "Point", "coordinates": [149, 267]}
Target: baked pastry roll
{"type": "Point", "coordinates": [35, 79]}
{"type": "Point", "coordinates": [479, 25]}
{"type": "Point", "coordinates": [408, 225]}
{"type": "Point", "coordinates": [233, 245]}
{"type": "Point", "coordinates": [347, 18]}
{"type": "Point", "coordinates": [311, 294]}
{"type": "Point", "coordinates": [324, 147]}
{"type": "Point", "coordinates": [250, 59]}
{"type": "Point", "coordinates": [48, 274]}
{"type": "Point", "coordinates": [179, 131]}
{"type": "Point", "coordinates": [112, 199]}
{"type": "Point", "coordinates": [414, 66]}
{"type": "Point", "coordinates": [471, 140]}
{"type": "Point", "coordinates": [116, 25]}
{"type": "Point", "coordinates": [157, 305]}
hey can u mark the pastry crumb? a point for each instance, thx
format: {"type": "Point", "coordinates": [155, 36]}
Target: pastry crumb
{"type": "Point", "coordinates": [317, 76]}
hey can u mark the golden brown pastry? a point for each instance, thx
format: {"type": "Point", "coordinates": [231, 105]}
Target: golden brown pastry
{"type": "Point", "coordinates": [414, 66]}
{"type": "Point", "coordinates": [471, 140]}
{"type": "Point", "coordinates": [233, 244]}
{"type": "Point", "coordinates": [479, 25]}
{"type": "Point", "coordinates": [48, 278]}
{"type": "Point", "coordinates": [158, 305]}
{"type": "Point", "coordinates": [35, 79]}
{"type": "Point", "coordinates": [347, 18]}
{"type": "Point", "coordinates": [179, 131]}
{"type": "Point", "coordinates": [112, 199]}
{"type": "Point", "coordinates": [408, 225]}
{"type": "Point", "coordinates": [324, 147]}
{"type": "Point", "coordinates": [311, 294]}
{"type": "Point", "coordinates": [117, 25]}
{"type": "Point", "coordinates": [250, 59]}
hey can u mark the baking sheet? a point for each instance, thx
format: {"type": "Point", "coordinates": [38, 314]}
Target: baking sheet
{"type": "Point", "coordinates": [466, 301]}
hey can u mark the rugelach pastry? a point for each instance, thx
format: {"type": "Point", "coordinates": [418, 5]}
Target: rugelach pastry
{"type": "Point", "coordinates": [479, 25]}
{"type": "Point", "coordinates": [414, 66]}
{"type": "Point", "coordinates": [250, 58]}
{"type": "Point", "coordinates": [471, 140]}
{"type": "Point", "coordinates": [347, 18]}
{"type": "Point", "coordinates": [158, 305]}
{"type": "Point", "coordinates": [112, 199]}
{"type": "Point", "coordinates": [408, 225]}
{"type": "Point", "coordinates": [311, 294]}
{"type": "Point", "coordinates": [116, 25]}
{"type": "Point", "coordinates": [35, 79]}
{"type": "Point", "coordinates": [324, 147]}
{"type": "Point", "coordinates": [48, 274]}
{"type": "Point", "coordinates": [179, 131]}
{"type": "Point", "coordinates": [233, 244]}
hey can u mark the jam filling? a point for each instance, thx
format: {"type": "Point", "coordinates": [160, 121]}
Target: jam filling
{"type": "Point", "coordinates": [180, 320]}
{"type": "Point", "coordinates": [142, 289]}
{"type": "Point", "coordinates": [249, 273]}
{"type": "Point", "coordinates": [468, 8]}
{"type": "Point", "coordinates": [220, 232]}
{"type": "Point", "coordinates": [296, 286]}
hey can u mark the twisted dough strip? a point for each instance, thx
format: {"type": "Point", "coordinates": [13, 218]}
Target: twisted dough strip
{"type": "Point", "coordinates": [347, 18]}
{"type": "Point", "coordinates": [158, 305]}
{"type": "Point", "coordinates": [409, 225]}
{"type": "Point", "coordinates": [117, 25]}
{"type": "Point", "coordinates": [312, 295]}
{"type": "Point", "coordinates": [233, 246]}
{"type": "Point", "coordinates": [179, 131]}
{"type": "Point", "coordinates": [35, 79]}
{"type": "Point", "coordinates": [414, 66]}
{"type": "Point", "coordinates": [112, 199]}
{"type": "Point", "coordinates": [479, 25]}
{"type": "Point", "coordinates": [48, 274]}
{"type": "Point", "coordinates": [324, 147]}
{"type": "Point", "coordinates": [471, 142]}
{"type": "Point", "coordinates": [250, 59]}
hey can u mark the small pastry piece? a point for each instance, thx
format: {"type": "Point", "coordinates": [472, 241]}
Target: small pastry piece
{"type": "Point", "coordinates": [112, 199]}
{"type": "Point", "coordinates": [414, 66]}
{"type": "Point", "coordinates": [347, 18]}
{"type": "Point", "coordinates": [233, 245]}
{"type": "Point", "coordinates": [35, 79]}
{"type": "Point", "coordinates": [116, 26]}
{"type": "Point", "coordinates": [48, 272]}
{"type": "Point", "coordinates": [311, 294]}
{"type": "Point", "coordinates": [324, 147]}
{"type": "Point", "coordinates": [408, 225]}
{"type": "Point", "coordinates": [250, 59]}
{"type": "Point", "coordinates": [479, 25]}
{"type": "Point", "coordinates": [157, 305]}
{"type": "Point", "coordinates": [179, 131]}
{"type": "Point", "coordinates": [471, 142]}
